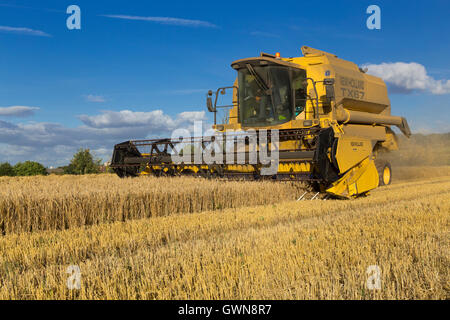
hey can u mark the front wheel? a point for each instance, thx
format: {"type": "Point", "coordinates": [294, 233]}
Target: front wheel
{"type": "Point", "coordinates": [384, 172]}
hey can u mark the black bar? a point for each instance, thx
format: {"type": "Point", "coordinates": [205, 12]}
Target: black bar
{"type": "Point", "coordinates": [283, 155]}
{"type": "Point", "coordinates": [226, 309]}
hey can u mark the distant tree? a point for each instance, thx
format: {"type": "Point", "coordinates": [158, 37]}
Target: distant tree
{"type": "Point", "coordinates": [6, 169]}
{"type": "Point", "coordinates": [29, 168]}
{"type": "Point", "coordinates": [69, 169]}
{"type": "Point", "coordinates": [83, 163]}
{"type": "Point", "coordinates": [108, 169]}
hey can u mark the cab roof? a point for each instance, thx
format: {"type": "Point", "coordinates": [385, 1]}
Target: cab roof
{"type": "Point", "coordinates": [263, 61]}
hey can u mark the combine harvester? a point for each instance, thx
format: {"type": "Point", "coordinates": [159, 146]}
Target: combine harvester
{"type": "Point", "coordinates": [331, 119]}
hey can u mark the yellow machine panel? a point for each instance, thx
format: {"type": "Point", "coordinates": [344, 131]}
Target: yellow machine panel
{"type": "Point", "coordinates": [351, 150]}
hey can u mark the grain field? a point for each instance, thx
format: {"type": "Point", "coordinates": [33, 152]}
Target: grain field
{"type": "Point", "coordinates": [263, 250]}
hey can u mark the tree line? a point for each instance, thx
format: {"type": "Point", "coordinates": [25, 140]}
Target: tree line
{"type": "Point", "coordinates": [82, 163]}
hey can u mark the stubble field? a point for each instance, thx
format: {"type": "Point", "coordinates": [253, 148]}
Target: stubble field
{"type": "Point", "coordinates": [188, 238]}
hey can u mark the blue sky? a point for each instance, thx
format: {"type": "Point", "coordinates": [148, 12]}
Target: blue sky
{"type": "Point", "coordinates": [75, 83]}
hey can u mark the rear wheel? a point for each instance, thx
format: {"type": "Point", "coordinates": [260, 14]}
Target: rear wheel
{"type": "Point", "coordinates": [384, 172]}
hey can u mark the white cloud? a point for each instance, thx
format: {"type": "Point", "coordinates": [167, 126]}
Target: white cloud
{"type": "Point", "coordinates": [54, 144]}
{"type": "Point", "coordinates": [125, 118]}
{"type": "Point", "coordinates": [94, 98]}
{"type": "Point", "coordinates": [17, 111]}
{"type": "Point", "coordinates": [190, 117]}
{"type": "Point", "coordinates": [156, 119]}
{"type": "Point", "coordinates": [24, 31]}
{"type": "Point", "coordinates": [408, 77]}
{"type": "Point", "coordinates": [165, 20]}
{"type": "Point", "coordinates": [16, 151]}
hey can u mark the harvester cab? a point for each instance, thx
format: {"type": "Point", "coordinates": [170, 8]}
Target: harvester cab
{"type": "Point", "coordinates": [332, 123]}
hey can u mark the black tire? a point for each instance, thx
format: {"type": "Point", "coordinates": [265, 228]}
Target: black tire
{"type": "Point", "coordinates": [384, 172]}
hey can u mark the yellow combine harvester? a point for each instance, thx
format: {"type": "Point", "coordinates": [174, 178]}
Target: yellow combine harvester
{"type": "Point", "coordinates": [330, 122]}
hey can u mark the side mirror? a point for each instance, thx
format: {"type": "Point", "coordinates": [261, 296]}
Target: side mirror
{"type": "Point", "coordinates": [209, 104]}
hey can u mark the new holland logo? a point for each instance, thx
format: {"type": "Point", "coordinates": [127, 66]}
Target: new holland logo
{"type": "Point", "coordinates": [355, 88]}
{"type": "Point", "coordinates": [357, 144]}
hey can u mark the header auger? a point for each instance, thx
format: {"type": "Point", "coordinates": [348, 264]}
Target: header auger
{"type": "Point", "coordinates": [326, 119]}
